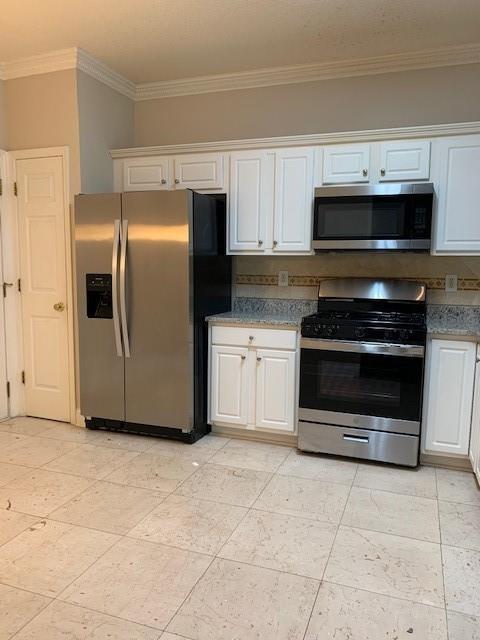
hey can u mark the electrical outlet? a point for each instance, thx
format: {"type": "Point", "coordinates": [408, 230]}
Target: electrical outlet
{"type": "Point", "coordinates": [283, 278]}
{"type": "Point", "coordinates": [451, 283]}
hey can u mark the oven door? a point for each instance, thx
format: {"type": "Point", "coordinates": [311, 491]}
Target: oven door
{"type": "Point", "coordinates": [363, 385]}
{"type": "Point", "coordinates": [372, 221]}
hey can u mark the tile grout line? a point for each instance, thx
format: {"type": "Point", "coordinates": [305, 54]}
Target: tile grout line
{"type": "Point", "coordinates": [441, 558]}
{"type": "Point", "coordinates": [329, 555]}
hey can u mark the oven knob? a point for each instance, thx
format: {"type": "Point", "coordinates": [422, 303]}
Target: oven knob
{"type": "Point", "coordinates": [330, 331]}
{"type": "Point", "coordinates": [359, 332]}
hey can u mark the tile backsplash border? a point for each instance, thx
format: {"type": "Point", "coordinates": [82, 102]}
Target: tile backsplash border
{"type": "Point", "coordinates": [464, 284]}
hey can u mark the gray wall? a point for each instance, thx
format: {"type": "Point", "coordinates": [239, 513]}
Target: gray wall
{"type": "Point", "coordinates": [106, 120]}
{"type": "Point", "coordinates": [41, 112]}
{"type": "Point", "coordinates": [430, 96]}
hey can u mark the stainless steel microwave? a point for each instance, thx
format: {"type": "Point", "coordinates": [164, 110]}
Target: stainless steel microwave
{"type": "Point", "coordinates": [379, 217]}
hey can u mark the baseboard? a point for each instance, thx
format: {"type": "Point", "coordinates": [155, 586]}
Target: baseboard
{"type": "Point", "coordinates": [258, 436]}
{"type": "Point", "coordinates": [79, 419]}
{"type": "Point", "coordinates": [448, 462]}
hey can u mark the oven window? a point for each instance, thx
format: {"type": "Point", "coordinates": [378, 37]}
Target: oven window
{"type": "Point", "coordinates": [365, 384]}
{"type": "Point", "coordinates": [360, 218]}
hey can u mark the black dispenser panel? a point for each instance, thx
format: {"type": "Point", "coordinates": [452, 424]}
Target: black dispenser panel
{"type": "Point", "coordinates": [99, 295]}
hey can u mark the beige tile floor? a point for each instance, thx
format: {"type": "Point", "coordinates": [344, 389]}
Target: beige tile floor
{"type": "Point", "coordinates": [113, 537]}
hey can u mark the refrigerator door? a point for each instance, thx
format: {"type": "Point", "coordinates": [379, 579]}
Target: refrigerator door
{"type": "Point", "coordinates": [159, 309]}
{"type": "Point", "coordinates": [97, 240]}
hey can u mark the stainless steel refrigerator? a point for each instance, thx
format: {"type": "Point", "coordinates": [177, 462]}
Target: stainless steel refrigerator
{"type": "Point", "coordinates": [150, 267]}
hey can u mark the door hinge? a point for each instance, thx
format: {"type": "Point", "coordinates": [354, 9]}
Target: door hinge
{"type": "Point", "coordinates": [15, 189]}
{"type": "Point", "coordinates": [23, 377]}
{"type": "Point", "coordinates": [8, 389]}
{"type": "Point", "coordinates": [19, 285]}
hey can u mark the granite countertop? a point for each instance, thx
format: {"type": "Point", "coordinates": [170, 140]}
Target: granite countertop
{"type": "Point", "coordinates": [291, 320]}
{"type": "Point", "coordinates": [442, 319]}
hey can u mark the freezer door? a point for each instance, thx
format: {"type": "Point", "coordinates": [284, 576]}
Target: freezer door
{"type": "Point", "coordinates": [158, 265]}
{"type": "Point", "coordinates": [97, 227]}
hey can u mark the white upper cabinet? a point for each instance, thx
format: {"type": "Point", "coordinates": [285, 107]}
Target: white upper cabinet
{"type": "Point", "coordinates": [275, 392]}
{"type": "Point", "coordinates": [404, 161]}
{"type": "Point", "coordinates": [293, 200]}
{"type": "Point", "coordinates": [457, 188]}
{"type": "Point", "coordinates": [145, 174]}
{"type": "Point", "coordinates": [448, 396]}
{"type": "Point", "coordinates": [251, 200]}
{"type": "Point", "coordinates": [346, 163]}
{"type": "Point", "coordinates": [199, 171]}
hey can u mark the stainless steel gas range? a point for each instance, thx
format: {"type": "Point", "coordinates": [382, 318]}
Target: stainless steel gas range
{"type": "Point", "coordinates": [361, 370]}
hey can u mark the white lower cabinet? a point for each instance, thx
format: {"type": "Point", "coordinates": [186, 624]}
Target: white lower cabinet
{"type": "Point", "coordinates": [228, 392]}
{"type": "Point", "coordinates": [253, 384]}
{"type": "Point", "coordinates": [449, 387]}
{"type": "Point", "coordinates": [474, 452]}
{"type": "Point", "coordinates": [275, 384]}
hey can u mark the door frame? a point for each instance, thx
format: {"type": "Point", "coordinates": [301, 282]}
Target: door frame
{"type": "Point", "coordinates": [64, 154]}
{"type": "Point", "coordinates": [9, 273]}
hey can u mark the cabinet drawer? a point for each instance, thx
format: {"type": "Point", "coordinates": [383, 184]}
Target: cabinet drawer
{"type": "Point", "coordinates": [253, 337]}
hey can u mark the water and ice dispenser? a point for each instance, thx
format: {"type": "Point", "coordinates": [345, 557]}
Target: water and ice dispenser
{"type": "Point", "coordinates": [99, 295]}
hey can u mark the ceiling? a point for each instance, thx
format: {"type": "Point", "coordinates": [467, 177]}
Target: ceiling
{"type": "Point", "coordinates": [155, 40]}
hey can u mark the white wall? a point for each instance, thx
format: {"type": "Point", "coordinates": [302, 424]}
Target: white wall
{"type": "Point", "coordinates": [106, 120]}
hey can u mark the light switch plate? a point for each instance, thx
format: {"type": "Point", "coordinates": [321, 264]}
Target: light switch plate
{"type": "Point", "coordinates": [283, 278]}
{"type": "Point", "coordinates": [451, 283]}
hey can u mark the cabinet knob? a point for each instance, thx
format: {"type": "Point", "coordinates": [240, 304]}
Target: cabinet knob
{"type": "Point", "coordinates": [243, 357]}
{"type": "Point", "coordinates": [177, 181]}
{"type": "Point", "coordinates": [251, 338]}
{"type": "Point", "coordinates": [275, 243]}
{"type": "Point", "coordinates": [382, 172]}
{"type": "Point", "coordinates": [365, 172]}
{"type": "Point", "coordinates": [260, 242]}
{"type": "Point", "coordinates": [258, 359]}
{"type": "Point", "coordinates": [164, 181]}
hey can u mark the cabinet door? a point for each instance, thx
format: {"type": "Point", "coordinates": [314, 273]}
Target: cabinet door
{"type": "Point", "coordinates": [448, 396]}
{"type": "Point", "coordinates": [346, 163]}
{"type": "Point", "coordinates": [199, 171]}
{"type": "Point", "coordinates": [404, 160]}
{"type": "Point", "coordinates": [228, 399]}
{"type": "Point", "coordinates": [474, 452]}
{"type": "Point", "coordinates": [457, 187]}
{"type": "Point", "coordinates": [251, 200]}
{"type": "Point", "coordinates": [275, 390]}
{"type": "Point", "coordinates": [293, 200]}
{"type": "Point", "coordinates": [146, 174]}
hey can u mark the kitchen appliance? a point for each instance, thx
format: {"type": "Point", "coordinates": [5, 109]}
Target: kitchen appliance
{"type": "Point", "coordinates": [361, 370]}
{"type": "Point", "coordinates": [378, 217]}
{"type": "Point", "coordinates": [150, 266]}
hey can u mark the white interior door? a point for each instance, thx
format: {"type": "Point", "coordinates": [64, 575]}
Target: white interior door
{"type": "Point", "coordinates": [42, 239]}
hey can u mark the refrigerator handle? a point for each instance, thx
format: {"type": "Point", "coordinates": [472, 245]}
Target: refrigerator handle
{"type": "Point", "coordinates": [116, 317]}
{"type": "Point", "coordinates": [123, 296]}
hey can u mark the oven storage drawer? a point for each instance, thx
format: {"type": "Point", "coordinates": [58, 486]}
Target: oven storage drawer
{"type": "Point", "coordinates": [358, 443]}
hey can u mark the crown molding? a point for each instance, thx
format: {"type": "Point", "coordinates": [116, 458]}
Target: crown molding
{"type": "Point", "coordinates": [42, 63]}
{"type": "Point", "coordinates": [447, 56]}
{"type": "Point", "coordinates": [100, 71]}
{"type": "Point", "coordinates": [344, 137]}
{"type": "Point", "coordinates": [75, 58]}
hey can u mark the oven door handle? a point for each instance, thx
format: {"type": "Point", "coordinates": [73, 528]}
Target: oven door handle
{"type": "Point", "coordinates": [375, 348]}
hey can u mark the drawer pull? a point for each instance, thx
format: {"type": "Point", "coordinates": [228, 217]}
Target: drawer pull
{"type": "Point", "coordinates": [251, 338]}
{"type": "Point", "coordinates": [350, 438]}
